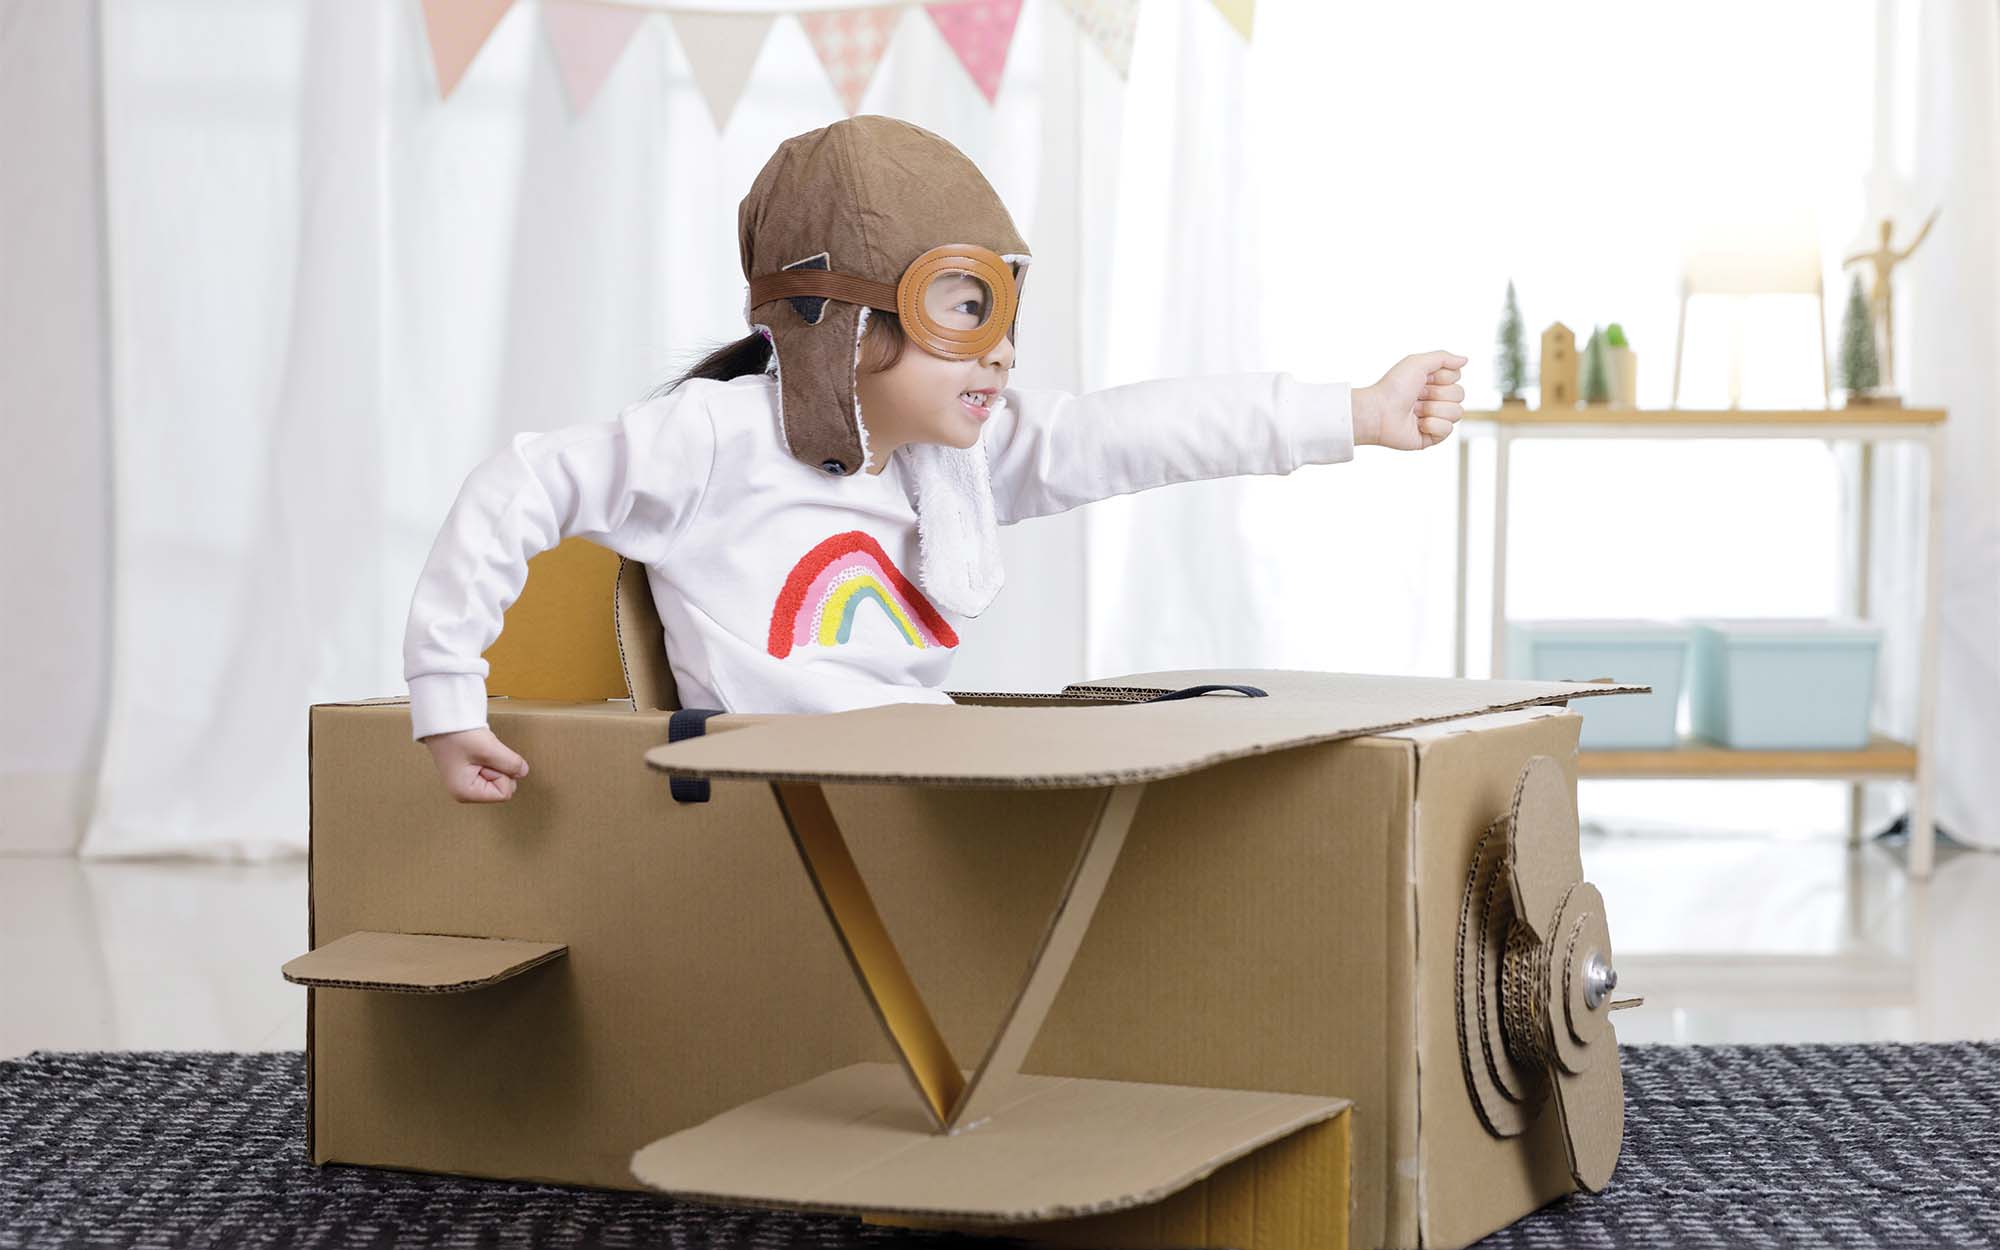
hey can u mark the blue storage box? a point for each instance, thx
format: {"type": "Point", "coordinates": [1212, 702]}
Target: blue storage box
{"type": "Point", "coordinates": [1652, 653]}
{"type": "Point", "coordinates": [1784, 684]}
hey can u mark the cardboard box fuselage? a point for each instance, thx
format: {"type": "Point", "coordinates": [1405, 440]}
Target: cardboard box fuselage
{"type": "Point", "coordinates": [1283, 922]}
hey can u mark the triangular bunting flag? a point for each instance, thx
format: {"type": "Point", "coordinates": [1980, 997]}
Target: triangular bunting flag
{"type": "Point", "coordinates": [457, 30]}
{"type": "Point", "coordinates": [980, 32]}
{"type": "Point", "coordinates": [850, 43]}
{"type": "Point", "coordinates": [1239, 13]}
{"type": "Point", "coordinates": [1110, 24]}
{"type": "Point", "coordinates": [587, 40]}
{"type": "Point", "coordinates": [721, 48]}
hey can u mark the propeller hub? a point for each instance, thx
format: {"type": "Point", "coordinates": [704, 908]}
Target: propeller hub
{"type": "Point", "coordinates": [1599, 979]}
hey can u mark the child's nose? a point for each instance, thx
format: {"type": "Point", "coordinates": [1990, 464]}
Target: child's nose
{"type": "Point", "coordinates": [1001, 355]}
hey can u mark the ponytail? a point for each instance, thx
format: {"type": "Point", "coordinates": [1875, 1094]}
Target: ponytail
{"type": "Point", "coordinates": [750, 354]}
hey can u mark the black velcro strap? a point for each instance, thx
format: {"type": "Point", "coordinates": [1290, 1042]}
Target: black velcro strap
{"type": "Point", "coordinates": [1195, 692]}
{"type": "Point", "coordinates": [682, 725]}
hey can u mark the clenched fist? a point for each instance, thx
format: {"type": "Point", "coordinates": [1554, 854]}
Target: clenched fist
{"type": "Point", "coordinates": [1414, 406]}
{"type": "Point", "coordinates": [476, 766]}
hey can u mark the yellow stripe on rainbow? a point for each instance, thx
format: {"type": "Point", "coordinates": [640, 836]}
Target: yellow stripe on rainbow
{"type": "Point", "coordinates": [836, 615]}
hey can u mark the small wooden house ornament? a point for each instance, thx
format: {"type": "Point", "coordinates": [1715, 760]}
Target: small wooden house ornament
{"type": "Point", "coordinates": [1559, 381]}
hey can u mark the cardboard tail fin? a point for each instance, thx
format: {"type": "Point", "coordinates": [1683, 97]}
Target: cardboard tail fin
{"type": "Point", "coordinates": [418, 963]}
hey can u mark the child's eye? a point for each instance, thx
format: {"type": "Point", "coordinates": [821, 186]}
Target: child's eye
{"type": "Point", "coordinates": [971, 307]}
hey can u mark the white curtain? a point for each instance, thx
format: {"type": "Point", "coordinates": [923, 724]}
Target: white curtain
{"type": "Point", "coordinates": [1943, 149]}
{"type": "Point", "coordinates": [333, 294]}
{"type": "Point", "coordinates": [55, 479]}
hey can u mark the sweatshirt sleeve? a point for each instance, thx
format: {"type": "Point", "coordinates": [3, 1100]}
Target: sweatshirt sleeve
{"type": "Point", "coordinates": [1049, 451]}
{"type": "Point", "coordinates": [632, 484]}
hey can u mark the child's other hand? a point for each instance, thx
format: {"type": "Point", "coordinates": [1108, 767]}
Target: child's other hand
{"type": "Point", "coordinates": [1415, 404]}
{"type": "Point", "coordinates": [476, 766]}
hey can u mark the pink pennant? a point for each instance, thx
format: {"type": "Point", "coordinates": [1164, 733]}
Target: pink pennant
{"type": "Point", "coordinates": [587, 39]}
{"type": "Point", "coordinates": [980, 31]}
{"type": "Point", "coordinates": [850, 43]}
{"type": "Point", "coordinates": [457, 30]}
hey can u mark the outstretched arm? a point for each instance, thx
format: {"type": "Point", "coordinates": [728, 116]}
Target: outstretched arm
{"type": "Point", "coordinates": [1905, 253]}
{"type": "Point", "coordinates": [1049, 451]}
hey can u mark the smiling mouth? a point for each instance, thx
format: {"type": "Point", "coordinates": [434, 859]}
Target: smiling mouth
{"type": "Point", "coordinates": [980, 405]}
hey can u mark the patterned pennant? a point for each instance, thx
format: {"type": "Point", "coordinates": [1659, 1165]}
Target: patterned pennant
{"type": "Point", "coordinates": [721, 48]}
{"type": "Point", "coordinates": [980, 32]}
{"type": "Point", "coordinates": [1110, 24]}
{"type": "Point", "coordinates": [587, 39]}
{"type": "Point", "coordinates": [457, 30]}
{"type": "Point", "coordinates": [850, 43]}
{"type": "Point", "coordinates": [1239, 13]}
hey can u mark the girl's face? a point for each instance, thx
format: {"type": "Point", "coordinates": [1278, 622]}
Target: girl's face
{"type": "Point", "coordinates": [928, 399]}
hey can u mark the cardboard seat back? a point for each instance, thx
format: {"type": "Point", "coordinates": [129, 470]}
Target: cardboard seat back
{"type": "Point", "coordinates": [1281, 919]}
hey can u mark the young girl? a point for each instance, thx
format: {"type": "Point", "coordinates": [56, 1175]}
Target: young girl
{"type": "Point", "coordinates": [784, 492]}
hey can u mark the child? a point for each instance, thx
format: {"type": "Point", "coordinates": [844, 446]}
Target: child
{"type": "Point", "coordinates": [779, 514]}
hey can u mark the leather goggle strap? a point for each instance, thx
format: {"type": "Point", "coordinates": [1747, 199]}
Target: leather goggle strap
{"type": "Point", "coordinates": [818, 282]}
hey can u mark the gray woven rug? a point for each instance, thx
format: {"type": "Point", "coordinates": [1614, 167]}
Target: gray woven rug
{"type": "Point", "coordinates": [1725, 1146]}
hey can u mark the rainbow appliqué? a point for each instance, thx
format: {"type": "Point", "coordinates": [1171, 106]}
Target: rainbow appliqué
{"type": "Point", "coordinates": [833, 582]}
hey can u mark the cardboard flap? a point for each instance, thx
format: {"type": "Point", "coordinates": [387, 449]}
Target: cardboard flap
{"type": "Point", "coordinates": [854, 1140]}
{"type": "Point", "coordinates": [418, 963]}
{"type": "Point", "coordinates": [1098, 745]}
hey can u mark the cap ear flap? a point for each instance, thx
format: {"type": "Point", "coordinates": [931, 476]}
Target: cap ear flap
{"type": "Point", "coordinates": [818, 408]}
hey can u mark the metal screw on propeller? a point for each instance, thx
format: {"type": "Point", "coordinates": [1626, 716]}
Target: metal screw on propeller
{"type": "Point", "coordinates": [1536, 974]}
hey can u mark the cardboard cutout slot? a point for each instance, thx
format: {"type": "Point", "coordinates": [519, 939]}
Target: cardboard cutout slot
{"type": "Point", "coordinates": [952, 1101]}
{"type": "Point", "coordinates": [418, 963]}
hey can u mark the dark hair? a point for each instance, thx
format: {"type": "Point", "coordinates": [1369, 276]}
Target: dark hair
{"type": "Point", "coordinates": [881, 347]}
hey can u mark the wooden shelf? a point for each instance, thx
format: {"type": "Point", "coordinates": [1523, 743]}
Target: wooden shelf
{"type": "Point", "coordinates": [1694, 757]}
{"type": "Point", "coordinates": [1605, 415]}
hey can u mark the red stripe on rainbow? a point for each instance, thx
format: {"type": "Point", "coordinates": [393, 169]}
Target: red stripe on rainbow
{"type": "Point", "coordinates": [828, 585]}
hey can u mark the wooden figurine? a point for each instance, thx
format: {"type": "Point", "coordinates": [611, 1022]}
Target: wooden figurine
{"type": "Point", "coordinates": [1880, 304]}
{"type": "Point", "coordinates": [1559, 367]}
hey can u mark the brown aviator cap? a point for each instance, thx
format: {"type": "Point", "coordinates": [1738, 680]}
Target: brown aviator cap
{"type": "Point", "coordinates": [864, 198]}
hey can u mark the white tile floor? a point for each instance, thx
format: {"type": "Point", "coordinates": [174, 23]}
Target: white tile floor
{"type": "Point", "coordinates": [1730, 938]}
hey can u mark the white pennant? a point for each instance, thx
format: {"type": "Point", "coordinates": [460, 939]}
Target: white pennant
{"type": "Point", "coordinates": [1110, 24]}
{"type": "Point", "coordinates": [721, 48]}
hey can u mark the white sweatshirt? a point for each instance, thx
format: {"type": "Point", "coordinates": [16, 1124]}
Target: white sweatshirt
{"type": "Point", "coordinates": [785, 589]}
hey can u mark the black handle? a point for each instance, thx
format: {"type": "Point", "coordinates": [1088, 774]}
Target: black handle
{"type": "Point", "coordinates": [682, 725]}
{"type": "Point", "coordinates": [1195, 692]}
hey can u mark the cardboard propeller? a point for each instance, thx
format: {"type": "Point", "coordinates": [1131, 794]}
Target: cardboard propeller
{"type": "Point", "coordinates": [1535, 979]}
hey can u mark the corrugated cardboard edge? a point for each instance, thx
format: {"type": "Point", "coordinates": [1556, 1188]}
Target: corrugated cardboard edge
{"type": "Point", "coordinates": [312, 914]}
{"type": "Point", "coordinates": [1087, 781]}
{"type": "Point", "coordinates": [1402, 1164]}
{"type": "Point", "coordinates": [515, 969]}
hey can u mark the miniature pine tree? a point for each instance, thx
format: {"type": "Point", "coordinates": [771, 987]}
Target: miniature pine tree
{"type": "Point", "coordinates": [1596, 382]}
{"type": "Point", "coordinates": [1860, 372]}
{"type": "Point", "coordinates": [1512, 362]}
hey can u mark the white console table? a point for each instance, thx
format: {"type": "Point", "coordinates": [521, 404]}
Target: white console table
{"type": "Point", "coordinates": [1884, 759]}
